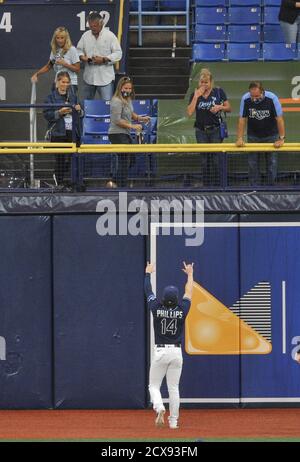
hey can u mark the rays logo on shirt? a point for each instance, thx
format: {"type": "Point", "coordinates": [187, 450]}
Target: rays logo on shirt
{"type": "Point", "coordinates": [206, 105]}
{"type": "Point", "coordinates": [259, 114]}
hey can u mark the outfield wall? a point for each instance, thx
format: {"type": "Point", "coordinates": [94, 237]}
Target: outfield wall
{"type": "Point", "coordinates": [74, 329]}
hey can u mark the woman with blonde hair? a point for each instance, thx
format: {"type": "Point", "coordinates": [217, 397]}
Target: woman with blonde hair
{"type": "Point", "coordinates": [122, 117]}
{"type": "Point", "coordinates": [209, 103]}
{"type": "Point", "coordinates": [64, 57]}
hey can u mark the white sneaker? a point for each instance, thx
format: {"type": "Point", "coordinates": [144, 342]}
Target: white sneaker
{"type": "Point", "coordinates": [173, 424]}
{"type": "Point", "coordinates": [160, 419]}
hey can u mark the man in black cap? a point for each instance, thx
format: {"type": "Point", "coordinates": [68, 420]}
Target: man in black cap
{"type": "Point", "coordinates": [168, 324]}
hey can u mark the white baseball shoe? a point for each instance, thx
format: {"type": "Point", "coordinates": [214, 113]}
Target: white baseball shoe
{"type": "Point", "coordinates": [173, 424]}
{"type": "Point", "coordinates": [160, 418]}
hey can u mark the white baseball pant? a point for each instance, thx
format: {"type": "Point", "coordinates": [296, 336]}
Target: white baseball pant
{"type": "Point", "coordinates": [167, 361]}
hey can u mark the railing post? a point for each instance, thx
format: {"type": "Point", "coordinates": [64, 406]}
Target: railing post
{"type": "Point", "coordinates": [140, 20]}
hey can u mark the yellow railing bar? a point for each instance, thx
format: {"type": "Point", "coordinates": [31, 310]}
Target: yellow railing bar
{"type": "Point", "coordinates": [45, 144]}
{"type": "Point", "coordinates": [186, 148]}
{"type": "Point", "coordinates": [37, 151]}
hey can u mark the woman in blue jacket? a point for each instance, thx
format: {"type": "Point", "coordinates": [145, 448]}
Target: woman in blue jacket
{"type": "Point", "coordinates": [60, 120]}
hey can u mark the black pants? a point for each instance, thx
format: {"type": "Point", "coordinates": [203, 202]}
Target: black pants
{"type": "Point", "coordinates": [61, 160]}
{"type": "Point", "coordinates": [122, 167]}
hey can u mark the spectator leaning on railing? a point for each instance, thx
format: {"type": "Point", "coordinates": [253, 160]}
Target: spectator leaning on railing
{"type": "Point", "coordinates": [263, 112]}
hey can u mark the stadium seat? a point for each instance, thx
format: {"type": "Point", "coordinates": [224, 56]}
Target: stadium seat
{"type": "Point", "coordinates": [243, 34]}
{"type": "Point", "coordinates": [96, 108]}
{"type": "Point", "coordinates": [142, 106]}
{"type": "Point", "coordinates": [279, 51]}
{"type": "Point", "coordinates": [210, 33]}
{"type": "Point", "coordinates": [271, 15]}
{"type": "Point", "coordinates": [271, 2]}
{"type": "Point", "coordinates": [243, 51]}
{"type": "Point", "coordinates": [175, 5]}
{"type": "Point", "coordinates": [212, 2]}
{"type": "Point", "coordinates": [211, 15]}
{"type": "Point", "coordinates": [147, 5]}
{"type": "Point", "coordinates": [95, 139]}
{"type": "Point", "coordinates": [245, 3]}
{"type": "Point", "coordinates": [244, 15]}
{"type": "Point", "coordinates": [273, 33]}
{"type": "Point", "coordinates": [154, 107]}
{"type": "Point", "coordinates": [208, 52]}
{"type": "Point", "coordinates": [96, 125]}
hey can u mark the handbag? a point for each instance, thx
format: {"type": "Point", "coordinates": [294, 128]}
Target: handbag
{"type": "Point", "coordinates": [48, 133]}
{"type": "Point", "coordinates": [222, 121]}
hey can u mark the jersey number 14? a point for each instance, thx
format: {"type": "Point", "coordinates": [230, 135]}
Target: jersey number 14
{"type": "Point", "coordinates": [168, 326]}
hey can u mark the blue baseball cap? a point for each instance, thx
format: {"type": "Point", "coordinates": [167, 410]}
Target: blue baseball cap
{"type": "Point", "coordinates": [170, 296]}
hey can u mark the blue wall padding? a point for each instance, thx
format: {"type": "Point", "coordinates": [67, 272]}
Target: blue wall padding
{"type": "Point", "coordinates": [272, 254]}
{"type": "Point", "coordinates": [25, 312]}
{"type": "Point", "coordinates": [99, 317]}
{"type": "Point", "coordinates": [216, 266]}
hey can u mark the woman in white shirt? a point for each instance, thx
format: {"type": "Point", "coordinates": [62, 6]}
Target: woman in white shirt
{"type": "Point", "coordinates": [64, 57]}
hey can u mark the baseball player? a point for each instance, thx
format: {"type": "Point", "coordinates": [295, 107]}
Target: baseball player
{"type": "Point", "coordinates": [168, 323]}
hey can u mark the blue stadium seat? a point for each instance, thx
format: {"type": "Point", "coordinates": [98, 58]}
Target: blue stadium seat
{"type": "Point", "coordinates": [175, 5]}
{"type": "Point", "coordinates": [243, 51]}
{"type": "Point", "coordinates": [244, 15]}
{"type": "Point", "coordinates": [96, 107]}
{"type": "Point", "coordinates": [279, 51]}
{"type": "Point", "coordinates": [210, 33]}
{"type": "Point", "coordinates": [273, 33]}
{"type": "Point", "coordinates": [95, 125]}
{"type": "Point", "coordinates": [147, 5]}
{"type": "Point", "coordinates": [271, 15]}
{"type": "Point", "coordinates": [142, 106]}
{"type": "Point", "coordinates": [242, 34]}
{"type": "Point", "coordinates": [153, 125]}
{"type": "Point", "coordinates": [211, 15]}
{"type": "Point", "coordinates": [154, 107]}
{"type": "Point", "coordinates": [271, 2]}
{"type": "Point", "coordinates": [95, 139]}
{"type": "Point", "coordinates": [212, 2]}
{"type": "Point", "coordinates": [208, 52]}
{"type": "Point", "coordinates": [245, 3]}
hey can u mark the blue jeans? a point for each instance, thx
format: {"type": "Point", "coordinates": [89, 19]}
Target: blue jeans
{"type": "Point", "coordinates": [105, 92]}
{"type": "Point", "coordinates": [291, 32]}
{"type": "Point", "coordinates": [269, 157]}
{"type": "Point", "coordinates": [210, 162]}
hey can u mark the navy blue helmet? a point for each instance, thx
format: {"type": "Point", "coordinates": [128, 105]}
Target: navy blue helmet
{"type": "Point", "coordinates": [170, 296]}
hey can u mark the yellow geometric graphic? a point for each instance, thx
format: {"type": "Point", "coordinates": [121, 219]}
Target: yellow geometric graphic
{"type": "Point", "coordinates": [213, 329]}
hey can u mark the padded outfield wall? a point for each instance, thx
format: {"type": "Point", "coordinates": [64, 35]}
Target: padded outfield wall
{"type": "Point", "coordinates": [74, 329]}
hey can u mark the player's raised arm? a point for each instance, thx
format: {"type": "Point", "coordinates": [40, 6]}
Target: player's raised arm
{"type": "Point", "coordinates": [150, 268]}
{"type": "Point", "coordinates": [188, 270]}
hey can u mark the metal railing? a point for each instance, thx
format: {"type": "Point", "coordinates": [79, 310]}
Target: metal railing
{"type": "Point", "coordinates": [213, 167]}
{"type": "Point", "coordinates": [140, 27]}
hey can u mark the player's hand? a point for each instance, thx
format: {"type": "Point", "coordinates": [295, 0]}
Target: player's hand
{"type": "Point", "coordinates": [34, 78]}
{"type": "Point", "coordinates": [297, 358]}
{"type": "Point", "coordinates": [137, 127]}
{"type": "Point", "coordinates": [188, 268]}
{"type": "Point", "coordinates": [150, 268]}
